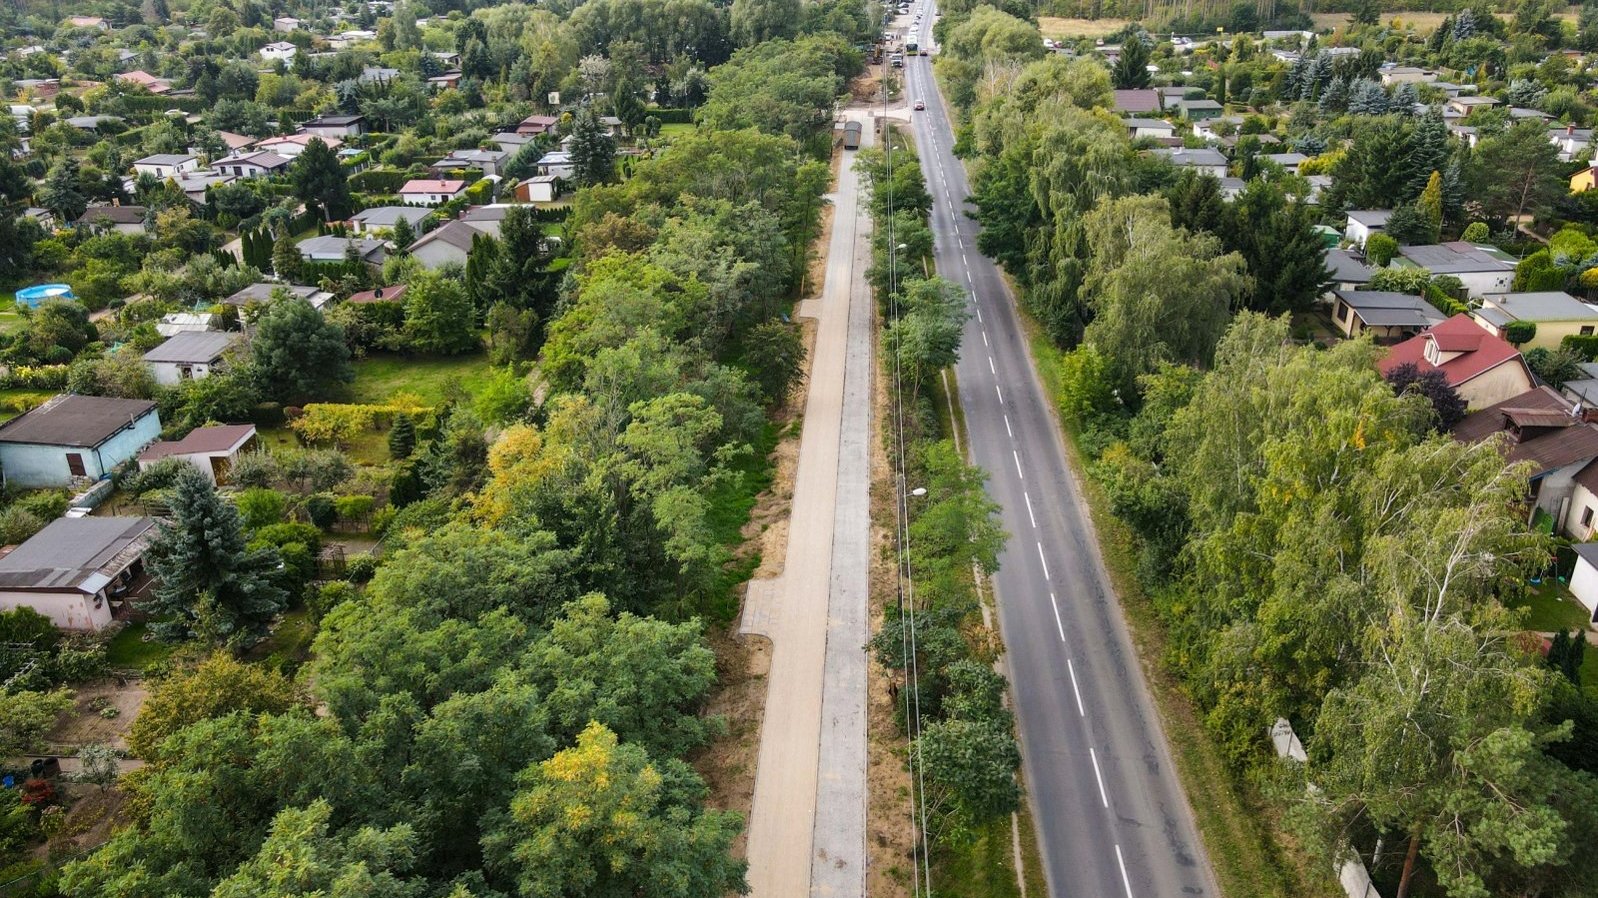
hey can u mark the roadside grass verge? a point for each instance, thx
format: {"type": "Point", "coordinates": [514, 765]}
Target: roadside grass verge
{"type": "Point", "coordinates": [1238, 825]}
{"type": "Point", "coordinates": [731, 502]}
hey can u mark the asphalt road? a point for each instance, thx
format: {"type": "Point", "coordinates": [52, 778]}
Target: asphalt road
{"type": "Point", "coordinates": [1111, 814]}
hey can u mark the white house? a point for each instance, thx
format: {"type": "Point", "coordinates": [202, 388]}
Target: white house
{"type": "Point", "coordinates": [333, 249]}
{"type": "Point", "coordinates": [419, 192]}
{"type": "Point", "coordinates": [539, 189]}
{"type": "Point", "coordinates": [279, 50]}
{"type": "Point", "coordinates": [1584, 580]}
{"type": "Point", "coordinates": [450, 243]}
{"type": "Point", "coordinates": [1407, 75]}
{"type": "Point", "coordinates": [259, 294]}
{"type": "Point", "coordinates": [285, 24]}
{"type": "Point", "coordinates": [211, 449]}
{"type": "Point", "coordinates": [189, 356]}
{"type": "Point", "coordinates": [1570, 140]}
{"type": "Point", "coordinates": [489, 162]}
{"type": "Point", "coordinates": [1481, 269]}
{"type": "Point", "coordinates": [1159, 129]}
{"type": "Point", "coordinates": [121, 219]}
{"type": "Point", "coordinates": [384, 217]}
{"type": "Point", "coordinates": [1362, 223]}
{"type": "Point", "coordinates": [166, 165]}
{"type": "Point", "coordinates": [174, 323]}
{"type": "Point", "coordinates": [291, 146]}
{"type": "Point", "coordinates": [558, 163]}
{"type": "Point", "coordinates": [340, 126]}
{"type": "Point", "coordinates": [76, 569]}
{"type": "Point", "coordinates": [71, 437]}
{"type": "Point", "coordinates": [252, 165]}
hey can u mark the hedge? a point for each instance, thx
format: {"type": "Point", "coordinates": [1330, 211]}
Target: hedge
{"type": "Point", "coordinates": [1586, 346]}
{"type": "Point", "coordinates": [671, 116]}
{"type": "Point", "coordinates": [142, 103]}
{"type": "Point", "coordinates": [334, 422]}
{"type": "Point", "coordinates": [378, 180]}
{"type": "Point", "coordinates": [1444, 303]}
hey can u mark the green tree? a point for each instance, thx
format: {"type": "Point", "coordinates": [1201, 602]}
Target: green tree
{"type": "Point", "coordinates": [925, 337]}
{"type": "Point", "coordinates": [209, 585]}
{"type": "Point", "coordinates": [1517, 172]}
{"type": "Point", "coordinates": [26, 716]}
{"type": "Point", "coordinates": [439, 319]}
{"type": "Point", "coordinates": [1520, 333]}
{"type": "Point", "coordinates": [1381, 248]}
{"type": "Point", "coordinates": [97, 764]}
{"type": "Point", "coordinates": [319, 181]}
{"type": "Point", "coordinates": [62, 193]}
{"type": "Point", "coordinates": [757, 21]}
{"type": "Point", "coordinates": [1278, 242]}
{"type": "Point", "coordinates": [401, 437]}
{"type": "Point", "coordinates": [1131, 69]}
{"type": "Point", "coordinates": [601, 819]}
{"type": "Point", "coordinates": [302, 856]}
{"type": "Point", "coordinates": [1430, 203]}
{"type": "Point", "coordinates": [593, 151]}
{"type": "Point", "coordinates": [217, 687]}
{"type": "Point", "coordinates": [403, 235]}
{"type": "Point", "coordinates": [287, 262]}
{"type": "Point", "coordinates": [1366, 12]}
{"type": "Point", "coordinates": [296, 353]}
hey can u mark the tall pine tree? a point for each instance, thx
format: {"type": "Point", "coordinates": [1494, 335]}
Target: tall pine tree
{"type": "Point", "coordinates": [210, 584]}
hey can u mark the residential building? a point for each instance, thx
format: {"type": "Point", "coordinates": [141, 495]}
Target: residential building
{"type": "Point", "coordinates": [451, 242]}
{"type": "Point", "coordinates": [77, 571]}
{"type": "Point", "coordinates": [1556, 442]}
{"type": "Point", "coordinates": [88, 22]}
{"type": "Point", "coordinates": [1136, 101]}
{"type": "Point", "coordinates": [1584, 179]}
{"type": "Point", "coordinates": [140, 78]}
{"type": "Point", "coordinates": [285, 24]}
{"type": "Point", "coordinates": [259, 294]}
{"type": "Point", "coordinates": [166, 165]}
{"type": "Point", "coordinates": [373, 74]}
{"type": "Point", "coordinates": [194, 184]}
{"type": "Point", "coordinates": [1570, 140]}
{"type": "Point", "coordinates": [1387, 317]}
{"type": "Point", "coordinates": [1484, 369]}
{"type": "Point", "coordinates": [93, 123]}
{"type": "Point", "coordinates": [447, 81]}
{"type": "Point", "coordinates": [1289, 162]}
{"type": "Point", "coordinates": [420, 192]}
{"type": "Point", "coordinates": [121, 219]}
{"type": "Point", "coordinates": [558, 163]}
{"type": "Point", "coordinates": [1407, 75]}
{"type": "Point", "coordinates": [393, 294]}
{"type": "Point", "coordinates": [1463, 106]}
{"type": "Point", "coordinates": [534, 125]}
{"type": "Point", "coordinates": [510, 141]}
{"type": "Point", "coordinates": [234, 142]}
{"type": "Point", "coordinates": [1348, 272]}
{"type": "Point", "coordinates": [335, 249]}
{"type": "Point", "coordinates": [279, 50]}
{"type": "Point", "coordinates": [338, 126]}
{"type": "Point", "coordinates": [1205, 161]}
{"type": "Point", "coordinates": [292, 145]}
{"type": "Point", "coordinates": [1154, 128]}
{"type": "Point", "coordinates": [174, 323]}
{"type": "Point", "coordinates": [1196, 110]}
{"type": "Point", "coordinates": [189, 356]}
{"type": "Point", "coordinates": [72, 437]}
{"type": "Point", "coordinates": [489, 162]}
{"type": "Point", "coordinates": [212, 450]}
{"type": "Point", "coordinates": [1481, 269]}
{"type": "Point", "coordinates": [252, 165]}
{"type": "Point", "coordinates": [1584, 578]}
{"type": "Point", "coordinates": [1556, 313]}
{"type": "Point", "coordinates": [383, 218]}
{"type": "Point", "coordinates": [1362, 223]}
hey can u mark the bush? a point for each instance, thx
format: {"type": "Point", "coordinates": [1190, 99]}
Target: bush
{"type": "Point", "coordinates": [17, 524]}
{"type": "Point", "coordinates": [290, 532]}
{"type": "Point", "coordinates": [218, 687]}
{"type": "Point", "coordinates": [1476, 232]}
{"type": "Point", "coordinates": [321, 510]}
{"type": "Point", "coordinates": [35, 377]}
{"type": "Point", "coordinates": [353, 508]}
{"type": "Point", "coordinates": [47, 504]}
{"type": "Point", "coordinates": [1380, 249]}
{"type": "Point", "coordinates": [1584, 346]}
{"type": "Point", "coordinates": [1520, 332]}
{"type": "Point", "coordinates": [261, 507]}
{"type": "Point", "coordinates": [330, 596]}
{"type": "Point", "coordinates": [361, 568]}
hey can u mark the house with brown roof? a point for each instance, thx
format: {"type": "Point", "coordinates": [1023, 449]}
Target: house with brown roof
{"type": "Point", "coordinates": [1557, 442]}
{"type": "Point", "coordinates": [122, 219]}
{"type": "Point", "coordinates": [212, 450]}
{"type": "Point", "coordinates": [71, 437]}
{"type": "Point", "coordinates": [534, 125]}
{"type": "Point", "coordinates": [1485, 369]}
{"type": "Point", "coordinates": [140, 78]}
{"type": "Point", "coordinates": [1136, 101]}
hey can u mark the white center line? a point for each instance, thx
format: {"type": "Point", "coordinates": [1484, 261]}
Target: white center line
{"type": "Point", "coordinates": [1125, 881]}
{"type": "Point", "coordinates": [1057, 625]}
{"type": "Point", "coordinates": [1028, 497]}
{"type": "Point", "coordinates": [1071, 668]}
{"type": "Point", "coordinates": [992, 369]}
{"type": "Point", "coordinates": [1007, 427]}
{"type": "Point", "coordinates": [1017, 457]}
{"type": "Point", "coordinates": [1000, 392]}
{"type": "Point", "coordinates": [984, 338]}
{"type": "Point", "coordinates": [1103, 796]}
{"type": "Point", "coordinates": [1044, 561]}
{"type": "Point", "coordinates": [979, 308]}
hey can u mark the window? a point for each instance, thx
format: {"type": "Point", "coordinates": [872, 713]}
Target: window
{"type": "Point", "coordinates": [75, 465]}
{"type": "Point", "coordinates": [1586, 516]}
{"type": "Point", "coordinates": [1586, 330]}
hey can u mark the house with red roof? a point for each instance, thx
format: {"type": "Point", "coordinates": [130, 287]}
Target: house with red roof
{"type": "Point", "coordinates": [212, 449]}
{"type": "Point", "coordinates": [1485, 369]}
{"type": "Point", "coordinates": [419, 192]}
{"type": "Point", "coordinates": [140, 78]}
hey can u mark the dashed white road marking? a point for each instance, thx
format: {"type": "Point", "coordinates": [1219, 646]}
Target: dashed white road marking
{"type": "Point", "coordinates": [1028, 497]}
{"type": "Point", "coordinates": [1125, 880]}
{"type": "Point", "coordinates": [1057, 625]}
{"type": "Point", "coordinates": [1007, 427]}
{"type": "Point", "coordinates": [1000, 392]}
{"type": "Point", "coordinates": [1015, 455]}
{"type": "Point", "coordinates": [992, 370]}
{"type": "Point", "coordinates": [984, 338]}
{"type": "Point", "coordinates": [1045, 561]}
{"type": "Point", "coordinates": [1071, 668]}
{"type": "Point", "coordinates": [1103, 796]}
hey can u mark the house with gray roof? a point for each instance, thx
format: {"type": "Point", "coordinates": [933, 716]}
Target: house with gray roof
{"type": "Point", "coordinates": [77, 571]}
{"type": "Point", "coordinates": [1556, 314]}
{"type": "Point", "coordinates": [1481, 269]}
{"type": "Point", "coordinates": [189, 356]}
{"type": "Point", "coordinates": [71, 438]}
{"type": "Point", "coordinates": [1387, 317]}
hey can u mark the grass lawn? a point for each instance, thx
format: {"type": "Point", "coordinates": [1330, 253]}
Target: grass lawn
{"type": "Point", "coordinates": [1057, 28]}
{"type": "Point", "coordinates": [674, 130]}
{"type": "Point", "coordinates": [10, 318]}
{"type": "Point", "coordinates": [15, 402]}
{"type": "Point", "coordinates": [981, 868]}
{"type": "Point", "coordinates": [1549, 606]}
{"type": "Point", "coordinates": [371, 448]}
{"type": "Point", "coordinates": [290, 643]}
{"type": "Point", "coordinates": [129, 648]}
{"type": "Point", "coordinates": [380, 376]}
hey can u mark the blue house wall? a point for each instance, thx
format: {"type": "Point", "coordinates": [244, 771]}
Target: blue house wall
{"type": "Point", "coordinates": [31, 465]}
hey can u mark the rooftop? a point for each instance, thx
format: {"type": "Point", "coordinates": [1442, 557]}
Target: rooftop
{"type": "Point", "coordinates": [1371, 218]}
{"type": "Point", "coordinates": [201, 440]}
{"type": "Point", "coordinates": [73, 420]}
{"type": "Point", "coordinates": [1542, 427]}
{"type": "Point", "coordinates": [1479, 351]}
{"type": "Point", "coordinates": [195, 346]}
{"type": "Point", "coordinates": [429, 186]}
{"type": "Point", "coordinates": [1457, 257]}
{"type": "Point", "coordinates": [1383, 309]}
{"type": "Point", "coordinates": [69, 551]}
{"type": "Point", "coordinates": [1546, 305]}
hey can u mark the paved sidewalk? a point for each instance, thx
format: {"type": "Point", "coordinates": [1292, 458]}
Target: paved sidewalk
{"type": "Point", "coordinates": [807, 822]}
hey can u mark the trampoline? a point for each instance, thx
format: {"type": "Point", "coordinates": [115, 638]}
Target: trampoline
{"type": "Point", "coordinates": [32, 296]}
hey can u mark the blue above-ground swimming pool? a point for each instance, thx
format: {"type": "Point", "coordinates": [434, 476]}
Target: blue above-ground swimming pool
{"type": "Point", "coordinates": [32, 296]}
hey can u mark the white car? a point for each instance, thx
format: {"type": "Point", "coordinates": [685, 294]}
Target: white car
{"type": "Point", "coordinates": [920, 105]}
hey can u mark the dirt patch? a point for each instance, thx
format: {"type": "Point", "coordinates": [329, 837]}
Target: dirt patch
{"type": "Point", "coordinates": [890, 838]}
{"type": "Point", "coordinates": [1056, 27]}
{"type": "Point", "coordinates": [92, 814]}
{"type": "Point", "coordinates": [87, 722]}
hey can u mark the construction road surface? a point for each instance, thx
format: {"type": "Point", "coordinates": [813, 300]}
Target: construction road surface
{"type": "Point", "coordinates": [1110, 811]}
{"type": "Point", "coordinates": [807, 825]}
